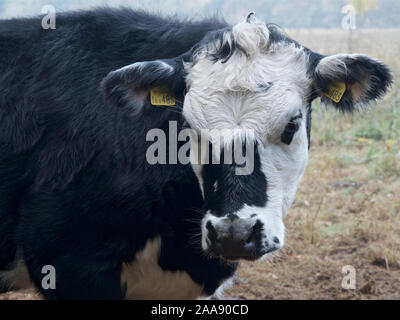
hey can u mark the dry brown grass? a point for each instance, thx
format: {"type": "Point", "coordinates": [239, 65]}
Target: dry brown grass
{"type": "Point", "coordinates": [347, 210]}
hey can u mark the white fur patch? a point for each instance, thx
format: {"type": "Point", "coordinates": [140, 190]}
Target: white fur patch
{"type": "Point", "coordinates": [333, 66]}
{"type": "Point", "coordinates": [146, 280]}
{"type": "Point", "coordinates": [228, 96]}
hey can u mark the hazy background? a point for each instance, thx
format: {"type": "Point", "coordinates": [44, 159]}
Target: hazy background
{"type": "Point", "coordinates": [287, 13]}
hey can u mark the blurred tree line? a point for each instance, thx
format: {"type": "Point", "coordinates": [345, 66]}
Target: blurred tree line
{"type": "Point", "coordinates": [286, 13]}
{"type": "Point", "coordinates": [314, 13]}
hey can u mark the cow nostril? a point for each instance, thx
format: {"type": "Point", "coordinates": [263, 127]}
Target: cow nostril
{"type": "Point", "coordinates": [255, 232]}
{"type": "Point", "coordinates": [257, 227]}
{"type": "Point", "coordinates": [250, 238]}
{"type": "Point", "coordinates": [209, 226]}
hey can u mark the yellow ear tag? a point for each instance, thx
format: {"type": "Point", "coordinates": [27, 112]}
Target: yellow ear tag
{"type": "Point", "coordinates": [336, 91]}
{"type": "Point", "coordinates": [161, 96]}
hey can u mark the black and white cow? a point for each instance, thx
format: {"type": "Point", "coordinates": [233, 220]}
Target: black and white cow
{"type": "Point", "coordinates": [76, 190]}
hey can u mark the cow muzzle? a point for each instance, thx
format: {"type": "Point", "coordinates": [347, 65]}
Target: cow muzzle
{"type": "Point", "coordinates": [234, 238]}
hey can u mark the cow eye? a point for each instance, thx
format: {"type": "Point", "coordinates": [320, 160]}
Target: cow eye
{"type": "Point", "coordinates": [291, 128]}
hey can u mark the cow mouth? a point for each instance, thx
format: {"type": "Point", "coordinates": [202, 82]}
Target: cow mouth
{"type": "Point", "coordinates": [236, 258]}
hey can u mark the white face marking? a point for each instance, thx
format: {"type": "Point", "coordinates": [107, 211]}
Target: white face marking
{"type": "Point", "coordinates": [146, 280]}
{"type": "Point", "coordinates": [231, 96]}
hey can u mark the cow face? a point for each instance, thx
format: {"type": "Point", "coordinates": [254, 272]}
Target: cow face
{"type": "Point", "coordinates": [256, 83]}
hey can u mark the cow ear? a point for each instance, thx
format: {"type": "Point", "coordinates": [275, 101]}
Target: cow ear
{"type": "Point", "coordinates": [350, 81]}
{"type": "Point", "coordinates": [129, 86]}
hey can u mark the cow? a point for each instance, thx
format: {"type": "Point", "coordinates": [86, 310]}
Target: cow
{"type": "Point", "coordinates": [78, 195]}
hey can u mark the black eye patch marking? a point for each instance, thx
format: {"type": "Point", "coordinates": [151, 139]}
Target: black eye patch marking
{"type": "Point", "coordinates": [291, 128]}
{"type": "Point", "coordinates": [234, 191]}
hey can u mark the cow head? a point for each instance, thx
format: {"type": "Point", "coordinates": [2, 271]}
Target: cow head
{"type": "Point", "coordinates": [252, 78]}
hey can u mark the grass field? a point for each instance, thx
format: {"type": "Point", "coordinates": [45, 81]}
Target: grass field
{"type": "Point", "coordinates": [347, 210]}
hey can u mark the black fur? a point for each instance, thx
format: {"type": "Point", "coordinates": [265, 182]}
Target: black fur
{"type": "Point", "coordinates": [238, 190]}
{"type": "Point", "coordinates": [76, 191]}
